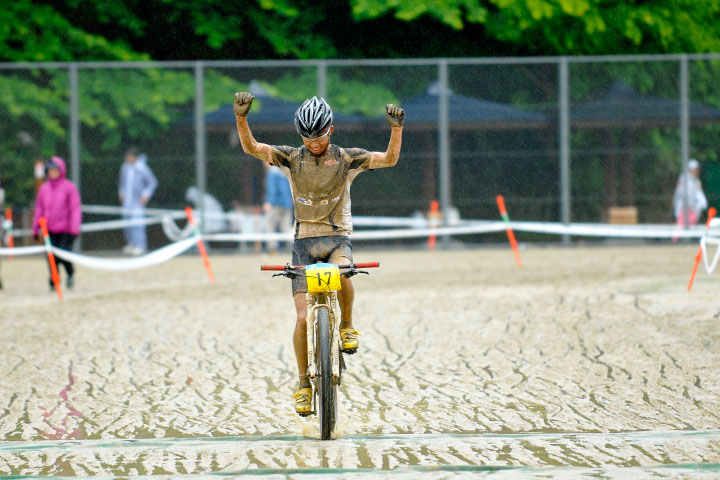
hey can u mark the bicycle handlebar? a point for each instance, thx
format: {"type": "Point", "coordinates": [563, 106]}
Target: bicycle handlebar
{"type": "Point", "coordinates": [367, 265]}
{"type": "Point", "coordinates": [281, 268]}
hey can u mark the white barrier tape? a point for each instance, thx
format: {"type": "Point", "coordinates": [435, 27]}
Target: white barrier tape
{"type": "Point", "coordinates": [490, 227]}
{"type": "Point", "coordinates": [116, 264]}
{"type": "Point", "coordinates": [360, 221]}
{"type": "Point", "coordinates": [711, 237]}
{"type": "Point", "coordinates": [247, 237]}
{"type": "Point", "coordinates": [710, 267]}
{"type": "Point", "coordinates": [157, 212]}
{"type": "Point", "coordinates": [365, 235]}
{"type": "Point", "coordinates": [117, 224]}
{"type": "Point", "coordinates": [100, 226]}
{"type": "Point", "coordinates": [582, 230]}
{"type": "Point", "coordinates": [118, 210]}
{"type": "Point", "coordinates": [17, 251]}
{"type": "Point", "coordinates": [606, 230]}
{"type": "Point", "coordinates": [477, 227]}
{"type": "Point", "coordinates": [410, 222]}
{"type": "Point", "coordinates": [173, 232]}
{"type": "Point", "coordinates": [419, 227]}
{"type": "Point", "coordinates": [577, 229]}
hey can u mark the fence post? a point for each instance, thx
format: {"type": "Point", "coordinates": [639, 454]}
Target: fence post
{"type": "Point", "coordinates": [684, 134]}
{"type": "Point", "coordinates": [200, 153]}
{"type": "Point", "coordinates": [322, 79]}
{"type": "Point", "coordinates": [75, 136]}
{"type": "Point", "coordinates": [564, 139]}
{"type": "Point", "coordinates": [444, 146]}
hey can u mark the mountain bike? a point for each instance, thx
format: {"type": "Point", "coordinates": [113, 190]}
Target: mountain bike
{"type": "Point", "coordinates": [325, 359]}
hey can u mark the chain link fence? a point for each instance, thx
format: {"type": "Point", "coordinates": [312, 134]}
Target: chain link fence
{"type": "Point", "coordinates": [569, 139]}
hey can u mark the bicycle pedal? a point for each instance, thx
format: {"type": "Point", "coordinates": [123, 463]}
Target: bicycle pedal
{"type": "Point", "coordinates": [349, 351]}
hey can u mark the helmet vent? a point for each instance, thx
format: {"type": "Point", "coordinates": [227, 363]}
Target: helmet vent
{"type": "Point", "coordinates": [313, 117]}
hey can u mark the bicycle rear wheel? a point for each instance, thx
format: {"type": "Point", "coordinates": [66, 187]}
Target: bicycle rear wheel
{"type": "Point", "coordinates": [327, 391]}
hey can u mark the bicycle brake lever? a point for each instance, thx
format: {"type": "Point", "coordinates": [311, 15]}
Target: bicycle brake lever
{"type": "Point", "coordinates": [279, 275]}
{"type": "Point", "coordinates": [355, 272]}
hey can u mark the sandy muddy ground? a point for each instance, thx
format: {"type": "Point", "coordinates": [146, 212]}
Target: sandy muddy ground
{"type": "Point", "coordinates": [587, 362]}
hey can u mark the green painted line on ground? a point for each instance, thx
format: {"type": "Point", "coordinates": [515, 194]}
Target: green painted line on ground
{"type": "Point", "coordinates": [405, 469]}
{"type": "Point", "coordinates": [419, 438]}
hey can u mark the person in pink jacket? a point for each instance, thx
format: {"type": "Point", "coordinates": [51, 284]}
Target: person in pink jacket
{"type": "Point", "coordinates": [58, 200]}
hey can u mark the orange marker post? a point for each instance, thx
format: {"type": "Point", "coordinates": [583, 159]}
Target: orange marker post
{"type": "Point", "coordinates": [432, 222]}
{"type": "Point", "coordinates": [51, 257]}
{"type": "Point", "coordinates": [200, 244]}
{"type": "Point", "coordinates": [9, 231]}
{"type": "Point", "coordinates": [511, 236]}
{"type": "Point", "coordinates": [698, 255]}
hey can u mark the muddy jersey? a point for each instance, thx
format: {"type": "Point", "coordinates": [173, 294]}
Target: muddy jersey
{"type": "Point", "coordinates": [321, 187]}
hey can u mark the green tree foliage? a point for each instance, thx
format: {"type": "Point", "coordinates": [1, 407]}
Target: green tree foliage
{"type": "Point", "coordinates": [187, 29]}
{"type": "Point", "coordinates": [32, 32]}
{"type": "Point", "coordinates": [543, 27]}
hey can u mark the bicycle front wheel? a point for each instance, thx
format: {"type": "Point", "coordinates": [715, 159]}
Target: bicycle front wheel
{"type": "Point", "coordinates": [327, 393]}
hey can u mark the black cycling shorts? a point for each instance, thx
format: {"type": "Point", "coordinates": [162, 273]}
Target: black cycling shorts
{"type": "Point", "coordinates": [306, 251]}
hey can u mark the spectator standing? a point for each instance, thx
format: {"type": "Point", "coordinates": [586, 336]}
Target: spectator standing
{"type": "Point", "coordinates": [278, 204]}
{"type": "Point", "coordinates": [689, 199]}
{"type": "Point", "coordinates": [137, 185]}
{"type": "Point", "coordinates": [213, 220]}
{"type": "Point", "coordinates": [58, 200]}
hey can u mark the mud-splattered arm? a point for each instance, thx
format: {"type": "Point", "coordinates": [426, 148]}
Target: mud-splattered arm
{"type": "Point", "coordinates": [241, 106]}
{"type": "Point", "coordinates": [389, 158]}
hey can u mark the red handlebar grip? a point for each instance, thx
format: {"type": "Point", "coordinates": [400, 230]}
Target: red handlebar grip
{"type": "Point", "coordinates": [279, 268]}
{"type": "Point", "coordinates": [367, 265]}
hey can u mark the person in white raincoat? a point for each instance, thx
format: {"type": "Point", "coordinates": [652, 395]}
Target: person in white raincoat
{"type": "Point", "coordinates": [137, 185]}
{"type": "Point", "coordinates": [689, 200]}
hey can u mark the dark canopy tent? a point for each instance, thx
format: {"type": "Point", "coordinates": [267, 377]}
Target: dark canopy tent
{"type": "Point", "coordinates": [622, 106]}
{"type": "Point", "coordinates": [618, 116]}
{"type": "Point", "coordinates": [465, 115]}
{"type": "Point", "coordinates": [468, 113]}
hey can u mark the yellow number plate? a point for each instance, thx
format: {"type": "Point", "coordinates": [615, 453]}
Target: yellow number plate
{"type": "Point", "coordinates": [322, 277]}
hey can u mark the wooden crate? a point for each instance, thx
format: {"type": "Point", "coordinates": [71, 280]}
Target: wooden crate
{"type": "Point", "coordinates": [626, 215]}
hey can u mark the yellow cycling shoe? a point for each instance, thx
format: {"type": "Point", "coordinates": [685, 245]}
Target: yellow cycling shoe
{"type": "Point", "coordinates": [348, 340]}
{"type": "Point", "coordinates": [303, 402]}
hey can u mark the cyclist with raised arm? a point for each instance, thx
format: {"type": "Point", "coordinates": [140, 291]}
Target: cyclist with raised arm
{"type": "Point", "coordinates": [320, 176]}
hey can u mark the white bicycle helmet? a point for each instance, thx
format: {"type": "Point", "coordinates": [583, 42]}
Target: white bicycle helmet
{"type": "Point", "coordinates": [313, 117]}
